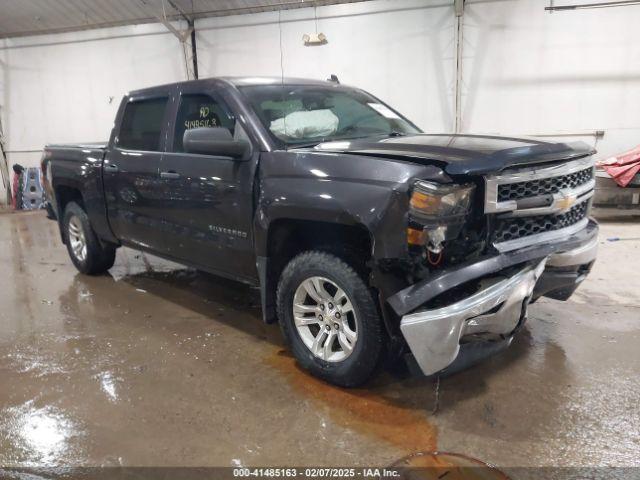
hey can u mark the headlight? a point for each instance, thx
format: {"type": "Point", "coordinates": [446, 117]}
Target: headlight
{"type": "Point", "coordinates": [440, 210]}
{"type": "Point", "coordinates": [438, 203]}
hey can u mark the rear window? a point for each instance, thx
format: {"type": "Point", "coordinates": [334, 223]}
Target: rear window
{"type": "Point", "coordinates": [142, 124]}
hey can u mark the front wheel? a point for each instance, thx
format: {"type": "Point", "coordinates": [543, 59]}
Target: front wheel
{"type": "Point", "coordinates": [329, 318]}
{"type": "Point", "coordinates": [85, 250]}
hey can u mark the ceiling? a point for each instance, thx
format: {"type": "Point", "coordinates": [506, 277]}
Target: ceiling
{"type": "Point", "coordinates": [34, 17]}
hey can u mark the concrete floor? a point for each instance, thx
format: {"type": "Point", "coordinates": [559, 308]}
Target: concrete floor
{"type": "Point", "coordinates": [155, 364]}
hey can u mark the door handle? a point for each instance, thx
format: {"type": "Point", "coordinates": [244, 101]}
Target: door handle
{"type": "Point", "coordinates": [111, 167]}
{"type": "Point", "coordinates": [169, 174]}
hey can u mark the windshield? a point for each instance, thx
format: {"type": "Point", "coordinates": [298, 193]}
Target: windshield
{"type": "Point", "coordinates": [297, 115]}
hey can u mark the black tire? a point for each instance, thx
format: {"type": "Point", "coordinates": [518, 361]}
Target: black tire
{"type": "Point", "coordinates": [98, 258]}
{"type": "Point", "coordinates": [361, 363]}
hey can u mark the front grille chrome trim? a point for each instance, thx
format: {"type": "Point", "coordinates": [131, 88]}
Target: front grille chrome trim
{"type": "Point", "coordinates": [492, 184]}
{"type": "Point", "coordinates": [562, 201]}
{"type": "Point", "coordinates": [544, 237]}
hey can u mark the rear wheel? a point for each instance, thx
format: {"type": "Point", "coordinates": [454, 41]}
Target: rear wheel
{"type": "Point", "coordinates": [329, 318]}
{"type": "Point", "coordinates": [86, 252]}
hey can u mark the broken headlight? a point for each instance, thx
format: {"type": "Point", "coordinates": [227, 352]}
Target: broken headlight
{"type": "Point", "coordinates": [436, 203]}
{"type": "Point", "coordinates": [441, 210]}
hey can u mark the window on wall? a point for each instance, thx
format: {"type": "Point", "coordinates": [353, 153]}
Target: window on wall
{"type": "Point", "coordinates": [197, 111]}
{"type": "Point", "coordinates": [142, 125]}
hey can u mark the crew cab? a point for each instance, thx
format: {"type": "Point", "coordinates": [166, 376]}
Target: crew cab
{"type": "Point", "coordinates": [368, 239]}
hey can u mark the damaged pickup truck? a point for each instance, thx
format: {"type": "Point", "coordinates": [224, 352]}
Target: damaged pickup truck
{"type": "Point", "coordinates": [368, 239]}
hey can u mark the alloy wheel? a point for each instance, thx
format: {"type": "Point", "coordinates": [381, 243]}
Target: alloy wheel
{"type": "Point", "coordinates": [325, 319]}
{"type": "Point", "coordinates": [77, 239]}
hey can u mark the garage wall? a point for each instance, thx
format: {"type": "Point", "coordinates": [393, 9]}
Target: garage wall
{"type": "Point", "coordinates": [526, 71]}
{"type": "Point", "coordinates": [67, 87]}
{"type": "Point", "coordinates": [402, 51]}
{"type": "Point", "coordinates": [563, 75]}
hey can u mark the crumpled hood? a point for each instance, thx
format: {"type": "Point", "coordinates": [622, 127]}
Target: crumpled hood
{"type": "Point", "coordinates": [461, 154]}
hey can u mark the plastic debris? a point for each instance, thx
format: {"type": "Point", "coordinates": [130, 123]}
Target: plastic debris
{"type": "Point", "coordinates": [618, 239]}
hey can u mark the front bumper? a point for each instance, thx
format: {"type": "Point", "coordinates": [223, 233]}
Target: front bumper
{"type": "Point", "coordinates": [498, 308]}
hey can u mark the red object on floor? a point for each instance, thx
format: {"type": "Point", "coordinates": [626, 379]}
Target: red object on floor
{"type": "Point", "coordinates": [622, 168]}
{"type": "Point", "coordinates": [16, 187]}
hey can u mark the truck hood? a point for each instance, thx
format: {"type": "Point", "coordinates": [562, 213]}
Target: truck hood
{"type": "Point", "coordinates": [461, 154]}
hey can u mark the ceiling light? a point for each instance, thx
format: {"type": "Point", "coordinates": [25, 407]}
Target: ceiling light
{"type": "Point", "coordinates": [314, 39]}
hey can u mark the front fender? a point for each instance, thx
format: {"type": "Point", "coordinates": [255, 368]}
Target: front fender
{"type": "Point", "coordinates": [338, 189]}
{"type": "Point", "coordinates": [379, 208]}
{"type": "Point", "coordinates": [342, 189]}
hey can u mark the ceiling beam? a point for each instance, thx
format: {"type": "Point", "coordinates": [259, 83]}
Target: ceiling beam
{"type": "Point", "coordinates": [178, 15]}
{"type": "Point", "coordinates": [164, 19]}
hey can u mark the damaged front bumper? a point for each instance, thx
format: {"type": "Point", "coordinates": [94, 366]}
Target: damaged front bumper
{"type": "Point", "coordinates": [438, 336]}
{"type": "Point", "coordinates": [434, 335]}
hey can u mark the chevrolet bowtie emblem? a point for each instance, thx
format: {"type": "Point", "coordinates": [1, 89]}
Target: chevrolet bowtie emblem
{"type": "Point", "coordinates": [566, 201]}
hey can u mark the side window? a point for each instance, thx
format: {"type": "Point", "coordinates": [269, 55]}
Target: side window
{"type": "Point", "coordinates": [199, 110]}
{"type": "Point", "coordinates": [142, 125]}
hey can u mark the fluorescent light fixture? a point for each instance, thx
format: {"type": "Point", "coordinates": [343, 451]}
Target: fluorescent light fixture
{"type": "Point", "coordinates": [619, 3]}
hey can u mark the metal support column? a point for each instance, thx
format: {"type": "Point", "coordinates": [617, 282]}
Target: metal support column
{"type": "Point", "coordinates": [187, 38]}
{"type": "Point", "coordinates": [459, 12]}
{"type": "Point", "coordinates": [194, 49]}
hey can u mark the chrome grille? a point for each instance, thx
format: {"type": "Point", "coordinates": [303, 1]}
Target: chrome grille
{"type": "Point", "coordinates": [544, 186]}
{"type": "Point", "coordinates": [537, 204]}
{"type": "Point", "coordinates": [518, 227]}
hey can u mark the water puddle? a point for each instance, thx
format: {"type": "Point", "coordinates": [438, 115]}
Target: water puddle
{"type": "Point", "coordinates": [38, 436]}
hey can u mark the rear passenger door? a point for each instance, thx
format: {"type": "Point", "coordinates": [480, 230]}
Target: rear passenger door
{"type": "Point", "coordinates": [208, 200]}
{"type": "Point", "coordinates": [131, 171]}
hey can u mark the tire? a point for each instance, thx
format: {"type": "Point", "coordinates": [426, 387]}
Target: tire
{"type": "Point", "coordinates": [87, 253]}
{"type": "Point", "coordinates": [356, 313]}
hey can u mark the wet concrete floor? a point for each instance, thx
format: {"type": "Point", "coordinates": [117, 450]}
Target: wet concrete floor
{"type": "Point", "coordinates": [156, 364]}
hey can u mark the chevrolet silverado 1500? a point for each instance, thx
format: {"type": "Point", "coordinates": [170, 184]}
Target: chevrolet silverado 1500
{"type": "Point", "coordinates": [368, 239]}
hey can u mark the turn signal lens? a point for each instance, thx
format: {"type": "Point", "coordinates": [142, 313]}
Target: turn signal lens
{"type": "Point", "coordinates": [424, 201]}
{"type": "Point", "coordinates": [415, 236]}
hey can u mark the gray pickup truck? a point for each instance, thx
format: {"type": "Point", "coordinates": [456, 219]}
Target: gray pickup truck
{"type": "Point", "coordinates": [368, 239]}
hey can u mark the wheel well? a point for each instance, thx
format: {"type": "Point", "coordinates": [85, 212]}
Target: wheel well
{"type": "Point", "coordinates": [64, 195]}
{"type": "Point", "coordinates": [288, 238]}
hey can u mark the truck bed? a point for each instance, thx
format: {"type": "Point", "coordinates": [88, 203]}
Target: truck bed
{"type": "Point", "coordinates": [76, 168]}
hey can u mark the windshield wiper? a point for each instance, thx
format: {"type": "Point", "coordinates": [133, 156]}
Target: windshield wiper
{"type": "Point", "coordinates": [303, 145]}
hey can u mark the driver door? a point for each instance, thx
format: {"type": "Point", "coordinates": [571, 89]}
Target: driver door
{"type": "Point", "coordinates": [208, 200]}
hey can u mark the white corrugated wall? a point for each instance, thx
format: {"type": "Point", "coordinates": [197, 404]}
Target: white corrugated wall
{"type": "Point", "coordinates": [524, 71]}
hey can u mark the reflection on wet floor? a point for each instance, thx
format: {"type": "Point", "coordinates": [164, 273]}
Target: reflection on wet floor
{"type": "Point", "coordinates": [44, 434]}
{"type": "Point", "coordinates": [156, 364]}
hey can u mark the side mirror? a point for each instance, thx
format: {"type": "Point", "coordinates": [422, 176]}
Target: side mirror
{"type": "Point", "coordinates": [215, 141]}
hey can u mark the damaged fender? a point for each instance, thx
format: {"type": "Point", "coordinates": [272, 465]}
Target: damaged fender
{"type": "Point", "coordinates": [326, 187]}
